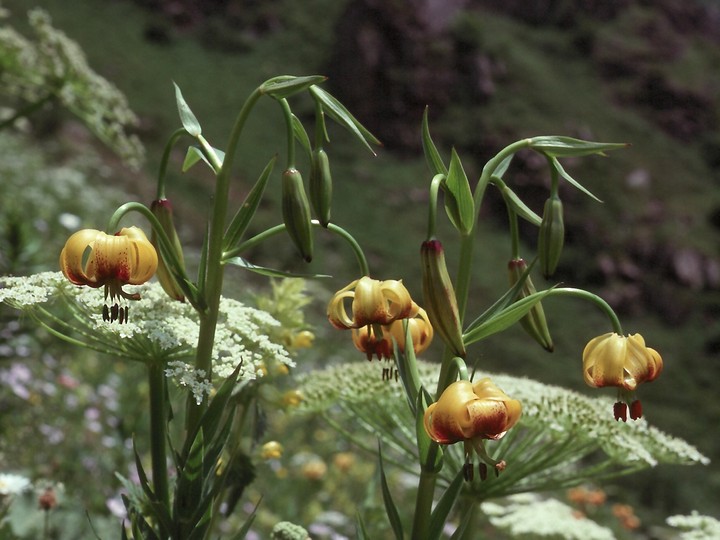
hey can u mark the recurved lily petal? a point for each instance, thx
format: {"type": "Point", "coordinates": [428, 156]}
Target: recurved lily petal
{"type": "Point", "coordinates": [623, 362]}
{"type": "Point", "coordinates": [467, 411]}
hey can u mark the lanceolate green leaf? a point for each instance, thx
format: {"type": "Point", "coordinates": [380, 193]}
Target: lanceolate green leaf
{"type": "Point", "coordinates": [521, 209]}
{"type": "Point", "coordinates": [561, 171]}
{"type": "Point", "coordinates": [390, 508]}
{"type": "Point", "coordinates": [505, 318]}
{"type": "Point", "coordinates": [503, 302]}
{"type": "Point", "coordinates": [194, 154]}
{"type": "Point", "coordinates": [270, 272]}
{"type": "Point", "coordinates": [443, 507]}
{"type": "Point", "coordinates": [188, 119]}
{"type": "Point", "coordinates": [301, 135]}
{"type": "Point", "coordinates": [287, 85]}
{"type": "Point", "coordinates": [558, 146]}
{"type": "Point", "coordinates": [245, 213]}
{"type": "Point", "coordinates": [432, 156]}
{"type": "Point", "coordinates": [458, 198]}
{"type": "Point", "coordinates": [337, 111]}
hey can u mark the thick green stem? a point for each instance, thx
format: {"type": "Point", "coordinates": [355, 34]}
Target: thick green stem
{"type": "Point", "coordinates": [423, 505]}
{"type": "Point", "coordinates": [213, 272]}
{"type": "Point", "coordinates": [158, 432]}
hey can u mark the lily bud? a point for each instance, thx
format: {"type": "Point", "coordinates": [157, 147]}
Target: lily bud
{"type": "Point", "coordinates": [551, 236]}
{"type": "Point", "coordinates": [534, 323]}
{"type": "Point", "coordinates": [321, 186]}
{"type": "Point", "coordinates": [296, 212]}
{"type": "Point", "coordinates": [162, 210]}
{"type": "Point", "coordinates": [439, 294]}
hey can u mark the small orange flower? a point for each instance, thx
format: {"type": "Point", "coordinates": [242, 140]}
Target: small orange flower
{"type": "Point", "coordinates": [467, 411]}
{"type": "Point", "coordinates": [421, 331]}
{"type": "Point", "coordinates": [624, 362]}
{"type": "Point", "coordinates": [96, 259]}
{"type": "Point", "coordinates": [373, 302]}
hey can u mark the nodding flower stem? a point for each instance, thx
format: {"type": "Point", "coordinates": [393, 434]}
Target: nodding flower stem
{"type": "Point", "coordinates": [165, 244]}
{"type": "Point", "coordinates": [162, 172]}
{"type": "Point", "coordinates": [432, 204]}
{"type": "Point", "coordinates": [277, 229]}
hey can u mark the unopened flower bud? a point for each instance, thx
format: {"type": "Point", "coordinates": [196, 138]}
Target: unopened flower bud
{"type": "Point", "coordinates": [162, 210]}
{"type": "Point", "coordinates": [440, 301]}
{"type": "Point", "coordinates": [296, 212]}
{"type": "Point", "coordinates": [321, 186]}
{"type": "Point", "coordinates": [551, 236]}
{"type": "Point", "coordinates": [534, 323]}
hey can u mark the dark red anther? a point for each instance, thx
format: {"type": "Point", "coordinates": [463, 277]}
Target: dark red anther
{"type": "Point", "coordinates": [482, 468]}
{"type": "Point", "coordinates": [620, 411]}
{"type": "Point", "coordinates": [636, 409]}
{"type": "Point", "coordinates": [468, 472]}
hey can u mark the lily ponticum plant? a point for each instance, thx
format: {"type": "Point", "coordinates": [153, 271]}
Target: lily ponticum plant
{"type": "Point", "coordinates": [233, 352]}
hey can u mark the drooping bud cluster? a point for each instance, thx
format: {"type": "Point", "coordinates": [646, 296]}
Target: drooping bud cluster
{"type": "Point", "coordinates": [162, 210]}
{"type": "Point", "coordinates": [321, 186]}
{"type": "Point", "coordinates": [296, 212]}
{"type": "Point", "coordinates": [439, 294]}
{"type": "Point", "coordinates": [551, 236]}
{"type": "Point", "coordinates": [534, 323]}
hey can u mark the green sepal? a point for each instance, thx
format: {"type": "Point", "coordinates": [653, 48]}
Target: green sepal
{"type": "Point", "coordinates": [285, 86]}
{"type": "Point", "coordinates": [390, 508]}
{"type": "Point", "coordinates": [459, 203]}
{"type": "Point", "coordinates": [562, 172]}
{"type": "Point", "coordinates": [559, 146]}
{"type": "Point", "coordinates": [187, 118]}
{"type": "Point", "coordinates": [432, 156]}
{"type": "Point", "coordinates": [444, 506]}
{"type": "Point", "coordinates": [430, 453]}
{"type": "Point", "coordinates": [195, 154]}
{"type": "Point", "coordinates": [270, 272]}
{"type": "Point", "coordinates": [337, 111]}
{"type": "Point", "coordinates": [504, 319]}
{"type": "Point", "coordinates": [241, 219]}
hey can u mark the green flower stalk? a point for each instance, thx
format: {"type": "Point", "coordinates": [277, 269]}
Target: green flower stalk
{"type": "Point", "coordinates": [321, 186]}
{"type": "Point", "coordinates": [534, 323]}
{"type": "Point", "coordinates": [440, 301]}
{"type": "Point", "coordinates": [551, 236]}
{"type": "Point", "coordinates": [296, 212]}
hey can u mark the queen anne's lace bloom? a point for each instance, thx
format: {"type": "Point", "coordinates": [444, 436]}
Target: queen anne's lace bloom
{"type": "Point", "coordinates": [160, 329]}
{"type": "Point", "coordinates": [555, 414]}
